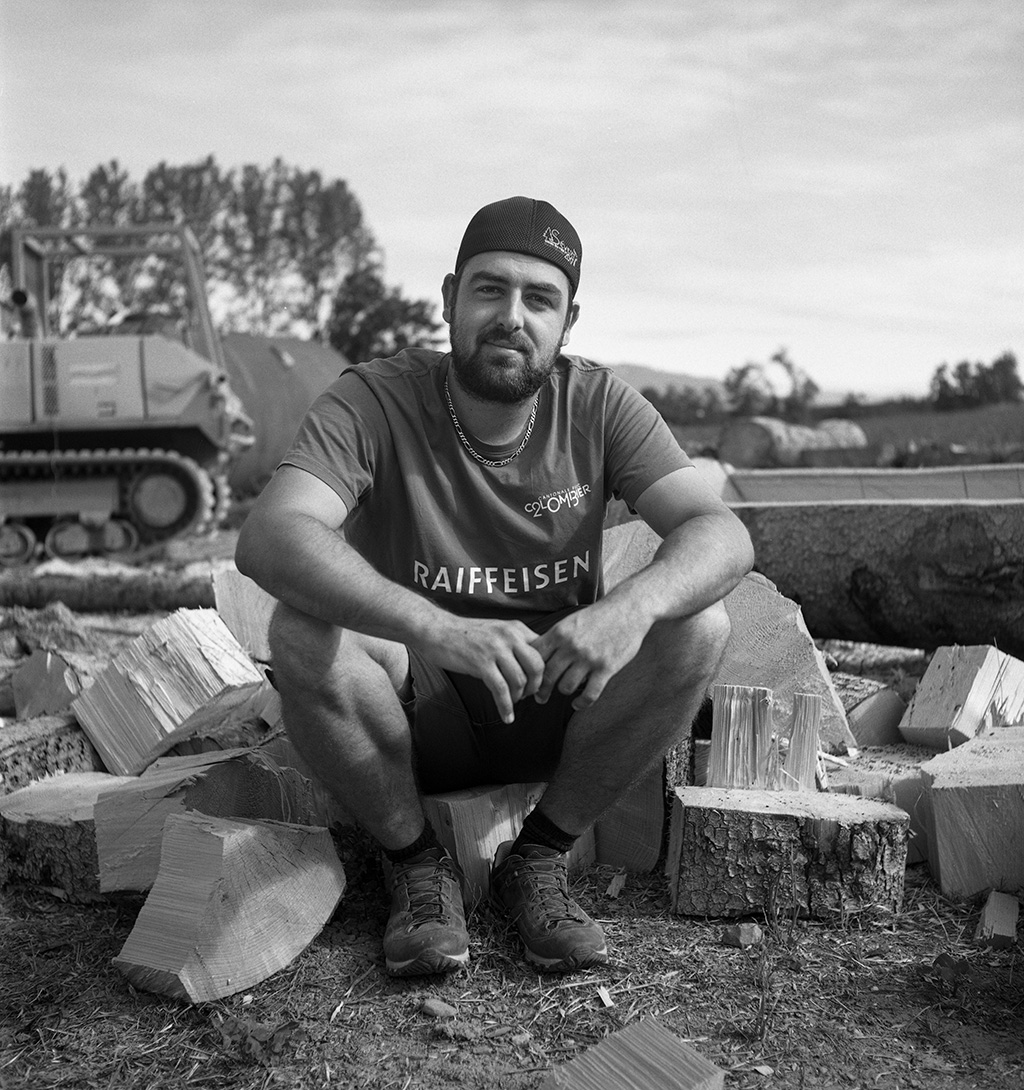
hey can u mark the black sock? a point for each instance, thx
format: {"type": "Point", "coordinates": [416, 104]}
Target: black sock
{"type": "Point", "coordinates": [538, 829]}
{"type": "Point", "coordinates": [426, 840]}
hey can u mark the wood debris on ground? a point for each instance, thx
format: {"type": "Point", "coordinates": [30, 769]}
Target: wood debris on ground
{"type": "Point", "coordinates": [179, 721]}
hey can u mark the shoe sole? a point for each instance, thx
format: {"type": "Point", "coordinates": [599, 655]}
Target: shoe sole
{"type": "Point", "coordinates": [428, 965]}
{"type": "Point", "coordinates": [571, 964]}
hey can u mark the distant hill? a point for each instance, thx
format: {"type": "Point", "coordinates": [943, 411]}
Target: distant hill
{"type": "Point", "coordinates": [641, 377]}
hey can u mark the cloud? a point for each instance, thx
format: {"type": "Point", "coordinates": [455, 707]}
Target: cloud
{"type": "Point", "coordinates": [742, 175]}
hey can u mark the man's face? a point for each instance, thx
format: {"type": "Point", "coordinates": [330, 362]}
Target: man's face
{"type": "Point", "coordinates": [510, 314]}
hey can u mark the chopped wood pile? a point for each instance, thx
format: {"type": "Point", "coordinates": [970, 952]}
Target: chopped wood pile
{"type": "Point", "coordinates": [233, 902]}
{"type": "Point", "coordinates": [162, 767]}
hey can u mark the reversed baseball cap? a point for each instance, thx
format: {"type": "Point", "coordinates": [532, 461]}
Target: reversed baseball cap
{"type": "Point", "coordinates": [524, 226]}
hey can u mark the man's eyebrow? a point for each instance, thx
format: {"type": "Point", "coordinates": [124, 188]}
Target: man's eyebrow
{"type": "Point", "coordinates": [533, 285]}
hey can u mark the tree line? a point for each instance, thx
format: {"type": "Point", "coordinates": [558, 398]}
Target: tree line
{"type": "Point", "coordinates": [287, 251]}
{"type": "Point", "coordinates": [784, 390]}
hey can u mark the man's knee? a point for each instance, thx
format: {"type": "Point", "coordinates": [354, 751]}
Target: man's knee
{"type": "Point", "coordinates": [315, 654]}
{"type": "Point", "coordinates": [690, 649]}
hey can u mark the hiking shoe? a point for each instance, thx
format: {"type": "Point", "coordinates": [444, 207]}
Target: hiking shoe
{"type": "Point", "coordinates": [426, 932]}
{"type": "Point", "coordinates": [533, 889]}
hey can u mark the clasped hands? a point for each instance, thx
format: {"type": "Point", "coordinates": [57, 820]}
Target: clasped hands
{"type": "Point", "coordinates": [580, 654]}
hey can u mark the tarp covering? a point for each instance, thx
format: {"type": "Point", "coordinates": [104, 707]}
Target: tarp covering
{"type": "Point", "coordinates": [277, 379]}
{"type": "Point", "coordinates": [762, 442]}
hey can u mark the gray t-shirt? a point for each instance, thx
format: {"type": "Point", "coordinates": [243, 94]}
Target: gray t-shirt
{"type": "Point", "coordinates": [522, 540]}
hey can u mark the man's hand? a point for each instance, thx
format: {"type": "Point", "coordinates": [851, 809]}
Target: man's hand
{"type": "Point", "coordinates": [588, 648]}
{"type": "Point", "coordinates": [500, 653]}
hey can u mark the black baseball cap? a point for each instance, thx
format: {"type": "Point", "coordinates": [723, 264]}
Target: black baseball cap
{"type": "Point", "coordinates": [524, 226]}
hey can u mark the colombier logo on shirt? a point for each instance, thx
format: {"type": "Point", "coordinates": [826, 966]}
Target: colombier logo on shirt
{"type": "Point", "coordinates": [553, 502]}
{"type": "Point", "coordinates": [474, 580]}
{"type": "Point", "coordinates": [551, 238]}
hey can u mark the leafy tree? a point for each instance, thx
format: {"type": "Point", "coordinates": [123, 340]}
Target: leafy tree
{"type": "Point", "coordinates": [753, 389]}
{"type": "Point", "coordinates": [1006, 383]}
{"type": "Point", "coordinates": [968, 385]}
{"type": "Point", "coordinates": [370, 319]}
{"type": "Point", "coordinates": [280, 243]}
{"type": "Point", "coordinates": [44, 199]}
{"type": "Point", "coordinates": [108, 196]}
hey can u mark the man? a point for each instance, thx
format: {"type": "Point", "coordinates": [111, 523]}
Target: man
{"type": "Point", "coordinates": [434, 540]}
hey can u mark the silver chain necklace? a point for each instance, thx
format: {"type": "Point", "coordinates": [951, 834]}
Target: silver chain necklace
{"type": "Point", "coordinates": [466, 443]}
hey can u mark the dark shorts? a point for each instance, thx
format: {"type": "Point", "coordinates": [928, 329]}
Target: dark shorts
{"type": "Point", "coordinates": [459, 738]}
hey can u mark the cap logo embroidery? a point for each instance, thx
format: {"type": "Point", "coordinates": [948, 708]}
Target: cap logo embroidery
{"type": "Point", "coordinates": [568, 253]}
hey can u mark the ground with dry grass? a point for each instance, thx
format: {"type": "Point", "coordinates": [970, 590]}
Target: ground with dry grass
{"type": "Point", "coordinates": [889, 1003]}
{"type": "Point", "coordinates": [892, 1003]}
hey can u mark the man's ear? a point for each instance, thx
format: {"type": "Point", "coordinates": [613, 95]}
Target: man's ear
{"type": "Point", "coordinates": [570, 321]}
{"type": "Point", "coordinates": [448, 290]}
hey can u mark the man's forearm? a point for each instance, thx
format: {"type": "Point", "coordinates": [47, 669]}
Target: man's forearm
{"type": "Point", "coordinates": [696, 565]}
{"type": "Point", "coordinates": [312, 568]}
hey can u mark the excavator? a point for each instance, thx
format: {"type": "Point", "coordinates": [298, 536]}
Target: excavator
{"type": "Point", "coordinates": [118, 436]}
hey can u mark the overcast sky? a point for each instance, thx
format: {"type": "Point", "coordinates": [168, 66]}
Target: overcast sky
{"type": "Point", "coordinates": [843, 179]}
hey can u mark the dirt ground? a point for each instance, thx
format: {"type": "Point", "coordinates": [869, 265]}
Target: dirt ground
{"type": "Point", "coordinates": [904, 1002]}
{"type": "Point", "coordinates": [873, 1003]}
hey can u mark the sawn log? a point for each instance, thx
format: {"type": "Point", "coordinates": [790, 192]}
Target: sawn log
{"type": "Point", "coordinates": [915, 573]}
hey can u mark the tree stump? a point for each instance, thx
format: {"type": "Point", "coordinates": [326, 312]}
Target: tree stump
{"type": "Point", "coordinates": [234, 902]}
{"type": "Point", "coordinates": [733, 852]}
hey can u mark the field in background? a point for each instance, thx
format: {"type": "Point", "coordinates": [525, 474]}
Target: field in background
{"type": "Point", "coordinates": [992, 428]}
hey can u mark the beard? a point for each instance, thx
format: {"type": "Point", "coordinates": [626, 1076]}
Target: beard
{"type": "Point", "coordinates": [509, 379]}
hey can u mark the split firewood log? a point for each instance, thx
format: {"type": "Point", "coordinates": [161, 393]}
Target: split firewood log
{"type": "Point", "coordinates": [233, 903]}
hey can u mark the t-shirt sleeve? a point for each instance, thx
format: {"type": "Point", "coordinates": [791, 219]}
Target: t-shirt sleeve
{"type": "Point", "coordinates": [639, 446]}
{"type": "Point", "coordinates": [340, 438]}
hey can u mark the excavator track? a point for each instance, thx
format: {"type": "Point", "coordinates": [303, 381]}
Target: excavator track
{"type": "Point", "coordinates": [131, 501]}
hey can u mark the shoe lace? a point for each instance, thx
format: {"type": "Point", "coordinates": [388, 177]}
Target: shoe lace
{"type": "Point", "coordinates": [426, 886]}
{"type": "Point", "coordinates": [549, 890]}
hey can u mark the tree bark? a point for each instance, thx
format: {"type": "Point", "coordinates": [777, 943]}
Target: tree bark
{"type": "Point", "coordinates": [47, 834]}
{"type": "Point", "coordinates": [918, 574]}
{"type": "Point", "coordinates": [35, 748]}
{"type": "Point", "coordinates": [735, 852]}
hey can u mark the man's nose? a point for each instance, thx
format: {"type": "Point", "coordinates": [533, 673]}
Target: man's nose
{"type": "Point", "coordinates": [511, 314]}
